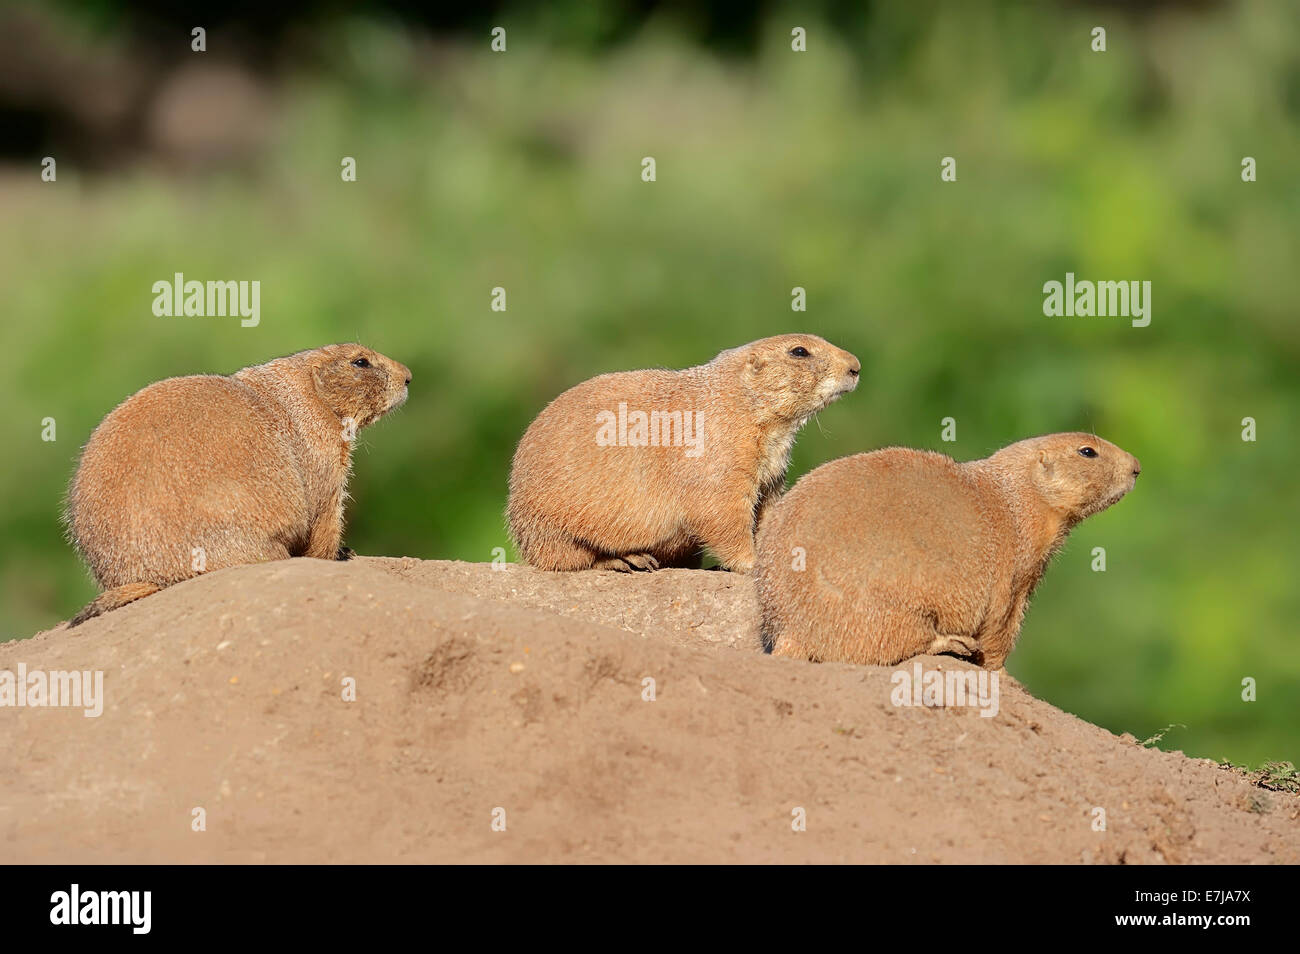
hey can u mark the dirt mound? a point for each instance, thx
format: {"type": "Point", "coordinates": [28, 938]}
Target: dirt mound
{"type": "Point", "coordinates": [521, 697]}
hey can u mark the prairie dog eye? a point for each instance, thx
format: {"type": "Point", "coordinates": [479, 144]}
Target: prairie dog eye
{"type": "Point", "coordinates": [360, 363]}
{"type": "Point", "coordinates": [1087, 452]}
{"type": "Point", "coordinates": [799, 352]}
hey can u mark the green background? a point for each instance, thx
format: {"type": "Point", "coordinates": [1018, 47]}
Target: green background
{"type": "Point", "coordinates": [775, 169]}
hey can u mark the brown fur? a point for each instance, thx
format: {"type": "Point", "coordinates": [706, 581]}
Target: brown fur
{"type": "Point", "coordinates": [910, 552]}
{"type": "Point", "coordinates": [249, 468]}
{"type": "Point", "coordinates": [575, 504]}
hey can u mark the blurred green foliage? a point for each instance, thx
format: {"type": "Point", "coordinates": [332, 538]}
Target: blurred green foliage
{"type": "Point", "coordinates": [818, 169]}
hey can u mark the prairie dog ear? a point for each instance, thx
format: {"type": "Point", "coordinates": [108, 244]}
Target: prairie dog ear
{"type": "Point", "coordinates": [756, 362]}
{"type": "Point", "coordinates": [320, 379]}
{"type": "Point", "coordinates": [1045, 465]}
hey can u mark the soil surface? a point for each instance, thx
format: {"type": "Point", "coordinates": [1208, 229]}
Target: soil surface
{"type": "Point", "coordinates": [511, 697]}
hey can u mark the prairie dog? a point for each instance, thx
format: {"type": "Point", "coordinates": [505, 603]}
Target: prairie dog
{"type": "Point", "coordinates": [208, 471]}
{"type": "Point", "coordinates": [906, 552]}
{"type": "Point", "coordinates": [640, 469]}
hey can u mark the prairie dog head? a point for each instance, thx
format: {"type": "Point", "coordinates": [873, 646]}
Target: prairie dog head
{"type": "Point", "coordinates": [793, 376]}
{"type": "Point", "coordinates": [358, 384]}
{"type": "Point", "coordinates": [1077, 474]}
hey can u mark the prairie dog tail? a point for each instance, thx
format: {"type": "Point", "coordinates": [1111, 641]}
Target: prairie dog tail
{"type": "Point", "coordinates": [112, 599]}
